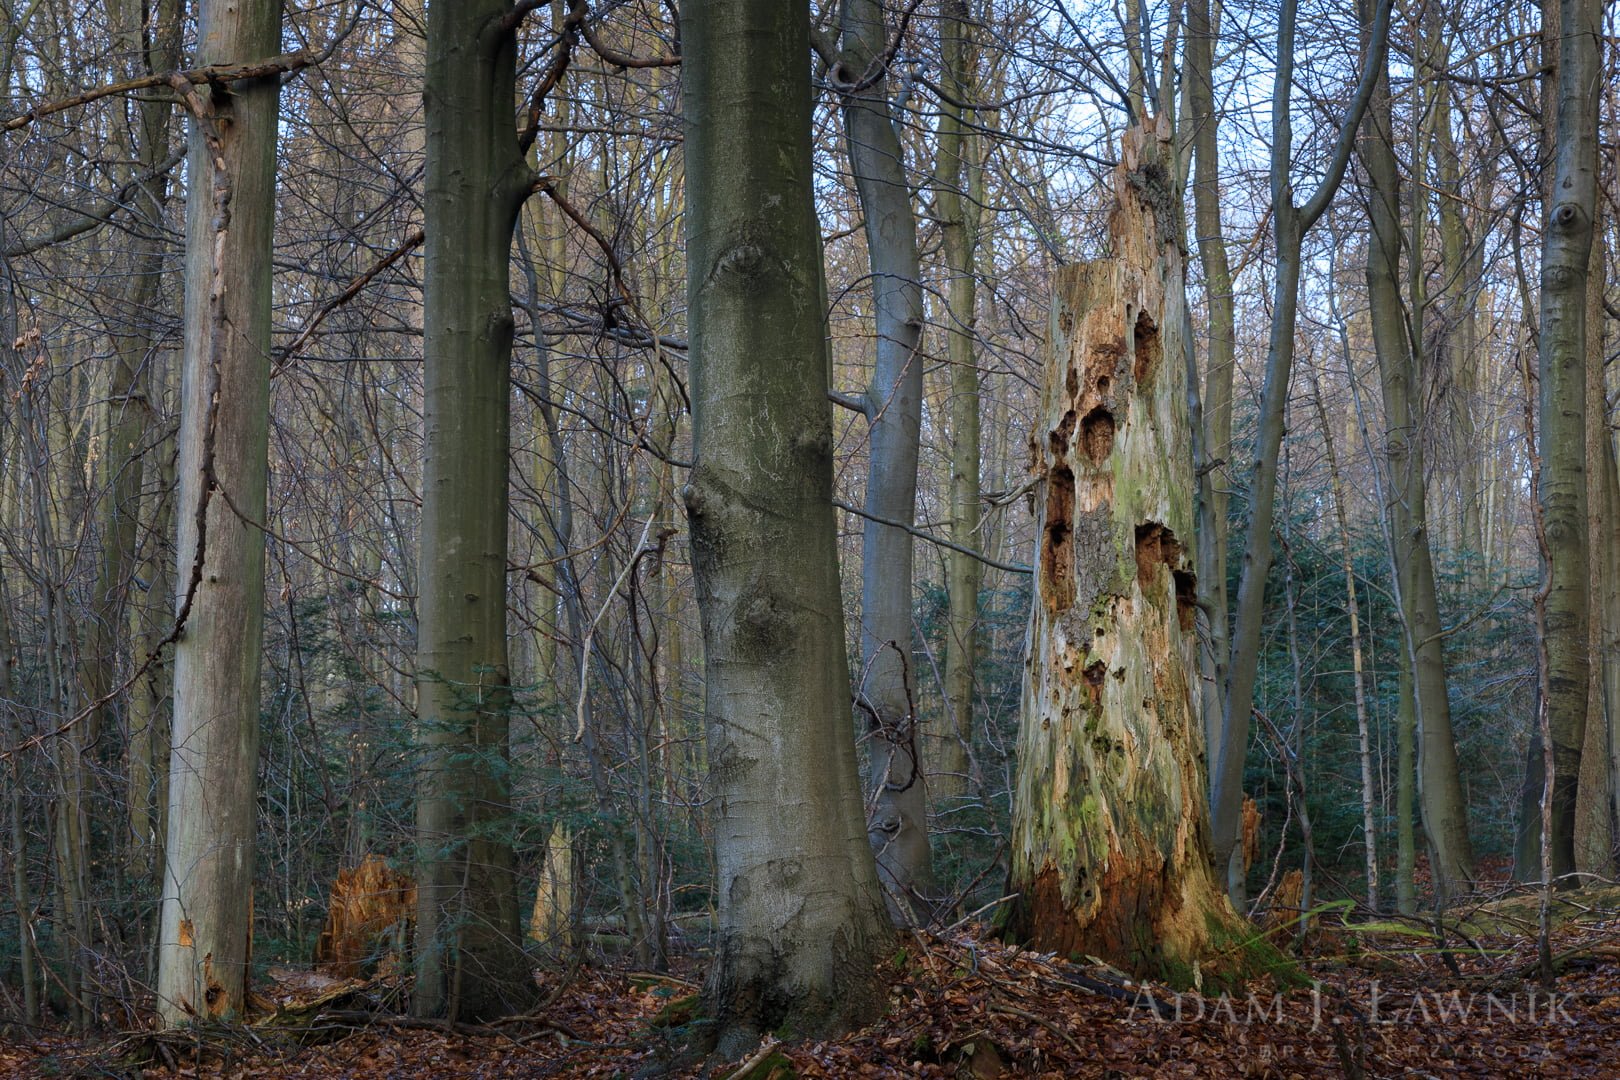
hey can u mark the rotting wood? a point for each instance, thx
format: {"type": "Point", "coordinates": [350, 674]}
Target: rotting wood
{"type": "Point", "coordinates": [1110, 831]}
{"type": "Point", "coordinates": [371, 908]}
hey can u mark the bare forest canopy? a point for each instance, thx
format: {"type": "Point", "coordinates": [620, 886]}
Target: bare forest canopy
{"type": "Point", "coordinates": [504, 486]}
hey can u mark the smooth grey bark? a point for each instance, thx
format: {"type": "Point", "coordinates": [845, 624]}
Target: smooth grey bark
{"type": "Point", "coordinates": [885, 692]}
{"type": "Point", "coordinates": [205, 935]}
{"type": "Point", "coordinates": [1397, 341]}
{"type": "Point", "coordinates": [1562, 357]}
{"type": "Point", "coordinates": [1290, 222]}
{"type": "Point", "coordinates": [802, 918]}
{"type": "Point", "coordinates": [469, 959]}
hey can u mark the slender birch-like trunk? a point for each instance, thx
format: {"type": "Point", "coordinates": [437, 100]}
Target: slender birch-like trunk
{"type": "Point", "coordinates": [1290, 221]}
{"type": "Point", "coordinates": [959, 221]}
{"type": "Point", "coordinates": [885, 691]}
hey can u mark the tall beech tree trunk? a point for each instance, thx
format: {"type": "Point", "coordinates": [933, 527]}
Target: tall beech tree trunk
{"type": "Point", "coordinates": [206, 931]}
{"type": "Point", "coordinates": [956, 171]}
{"type": "Point", "coordinates": [1397, 342]}
{"type": "Point", "coordinates": [1594, 825]}
{"type": "Point", "coordinates": [802, 918]}
{"type": "Point", "coordinates": [1110, 835]}
{"type": "Point", "coordinates": [1562, 356]}
{"type": "Point", "coordinates": [1290, 222]}
{"type": "Point", "coordinates": [885, 692]}
{"type": "Point", "coordinates": [468, 934]}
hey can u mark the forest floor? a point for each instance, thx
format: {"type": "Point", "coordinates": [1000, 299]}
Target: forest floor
{"type": "Point", "coordinates": [1385, 998]}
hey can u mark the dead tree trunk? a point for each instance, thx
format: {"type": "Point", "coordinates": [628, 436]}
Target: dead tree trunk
{"type": "Point", "coordinates": [1111, 833]}
{"type": "Point", "coordinates": [206, 924]}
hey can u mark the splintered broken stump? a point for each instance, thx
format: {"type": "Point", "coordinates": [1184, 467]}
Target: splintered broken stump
{"type": "Point", "coordinates": [371, 910]}
{"type": "Point", "coordinates": [1110, 832]}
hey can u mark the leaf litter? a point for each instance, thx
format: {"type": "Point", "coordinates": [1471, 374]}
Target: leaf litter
{"type": "Point", "coordinates": [1378, 997]}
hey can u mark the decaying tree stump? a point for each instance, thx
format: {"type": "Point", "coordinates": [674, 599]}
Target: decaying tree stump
{"type": "Point", "coordinates": [1110, 828]}
{"type": "Point", "coordinates": [370, 913]}
{"type": "Point", "coordinates": [554, 899]}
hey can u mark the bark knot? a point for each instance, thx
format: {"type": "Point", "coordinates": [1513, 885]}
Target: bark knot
{"type": "Point", "coordinates": [1567, 216]}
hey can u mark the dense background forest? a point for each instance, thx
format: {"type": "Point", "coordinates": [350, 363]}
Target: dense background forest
{"type": "Point", "coordinates": [1384, 435]}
